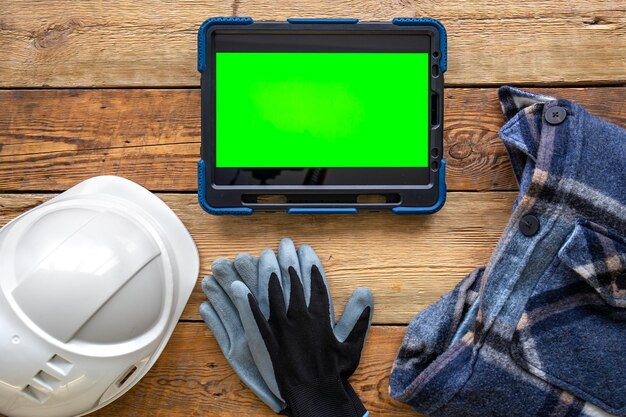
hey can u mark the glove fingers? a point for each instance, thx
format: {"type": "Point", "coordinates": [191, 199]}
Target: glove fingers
{"type": "Point", "coordinates": [297, 303]}
{"type": "Point", "coordinates": [247, 266]}
{"type": "Point", "coordinates": [268, 265]}
{"type": "Point", "coordinates": [223, 306]}
{"type": "Point", "coordinates": [213, 321]}
{"type": "Point", "coordinates": [276, 300]}
{"type": "Point", "coordinates": [251, 319]}
{"type": "Point", "coordinates": [307, 258]}
{"type": "Point", "coordinates": [264, 328]}
{"type": "Point", "coordinates": [287, 258]}
{"type": "Point", "coordinates": [353, 326]}
{"type": "Point", "coordinates": [355, 340]}
{"type": "Point", "coordinates": [359, 300]}
{"type": "Point", "coordinates": [224, 273]}
{"type": "Point", "coordinates": [244, 367]}
{"type": "Point", "coordinates": [319, 306]}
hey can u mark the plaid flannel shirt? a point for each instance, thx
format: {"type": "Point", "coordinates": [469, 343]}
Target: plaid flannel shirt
{"type": "Point", "coordinates": [541, 330]}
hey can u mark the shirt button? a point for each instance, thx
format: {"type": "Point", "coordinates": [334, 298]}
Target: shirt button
{"type": "Point", "coordinates": [555, 115]}
{"type": "Point", "coordinates": [529, 225]}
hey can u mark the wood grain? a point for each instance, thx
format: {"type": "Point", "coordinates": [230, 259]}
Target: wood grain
{"type": "Point", "coordinates": [153, 43]}
{"type": "Point", "coordinates": [193, 379]}
{"type": "Point", "coordinates": [52, 139]}
{"type": "Point", "coordinates": [407, 261]}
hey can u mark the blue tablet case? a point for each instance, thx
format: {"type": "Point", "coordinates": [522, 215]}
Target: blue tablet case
{"type": "Point", "coordinates": [399, 21]}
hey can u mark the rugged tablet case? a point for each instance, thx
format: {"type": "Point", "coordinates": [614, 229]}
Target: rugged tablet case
{"type": "Point", "coordinates": [320, 207]}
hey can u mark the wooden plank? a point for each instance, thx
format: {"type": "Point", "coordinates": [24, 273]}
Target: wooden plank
{"type": "Point", "coordinates": [52, 139]}
{"type": "Point", "coordinates": [153, 43]}
{"type": "Point", "coordinates": [407, 261]}
{"type": "Point", "coordinates": [192, 378]}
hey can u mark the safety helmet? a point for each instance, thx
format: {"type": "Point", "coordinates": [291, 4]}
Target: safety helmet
{"type": "Point", "coordinates": [92, 284]}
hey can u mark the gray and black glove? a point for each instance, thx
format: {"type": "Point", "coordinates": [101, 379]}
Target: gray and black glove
{"type": "Point", "coordinates": [222, 317]}
{"type": "Point", "coordinates": [304, 357]}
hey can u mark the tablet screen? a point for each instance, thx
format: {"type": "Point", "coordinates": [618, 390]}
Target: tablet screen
{"type": "Point", "coordinates": [336, 108]}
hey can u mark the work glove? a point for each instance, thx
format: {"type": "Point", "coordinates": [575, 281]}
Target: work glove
{"type": "Point", "coordinates": [304, 358]}
{"type": "Point", "coordinates": [222, 317]}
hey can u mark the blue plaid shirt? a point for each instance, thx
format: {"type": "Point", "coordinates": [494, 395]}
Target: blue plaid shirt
{"type": "Point", "coordinates": [541, 329]}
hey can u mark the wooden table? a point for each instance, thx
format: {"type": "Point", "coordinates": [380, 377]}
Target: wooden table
{"type": "Point", "coordinates": [91, 88]}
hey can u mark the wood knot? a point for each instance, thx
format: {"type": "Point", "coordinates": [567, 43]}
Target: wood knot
{"type": "Point", "coordinates": [460, 150]}
{"type": "Point", "coordinates": [56, 34]}
{"type": "Point", "coordinates": [596, 20]}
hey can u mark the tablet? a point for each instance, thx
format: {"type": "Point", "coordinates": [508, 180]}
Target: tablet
{"type": "Point", "coordinates": [321, 115]}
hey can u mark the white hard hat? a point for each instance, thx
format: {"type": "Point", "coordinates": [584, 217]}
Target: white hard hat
{"type": "Point", "coordinates": [92, 284]}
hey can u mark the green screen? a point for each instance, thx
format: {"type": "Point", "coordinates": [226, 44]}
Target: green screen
{"type": "Point", "coordinates": [321, 110]}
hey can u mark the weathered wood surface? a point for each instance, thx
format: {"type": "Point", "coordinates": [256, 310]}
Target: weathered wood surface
{"type": "Point", "coordinates": [52, 139]}
{"type": "Point", "coordinates": [407, 261]}
{"type": "Point", "coordinates": [193, 379]}
{"type": "Point", "coordinates": [153, 43]}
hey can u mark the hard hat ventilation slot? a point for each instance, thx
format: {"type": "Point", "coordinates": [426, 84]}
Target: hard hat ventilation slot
{"type": "Point", "coordinates": [60, 365]}
{"type": "Point", "coordinates": [126, 376]}
{"type": "Point", "coordinates": [46, 381]}
{"type": "Point", "coordinates": [35, 395]}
